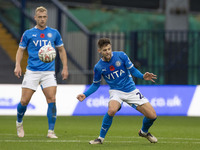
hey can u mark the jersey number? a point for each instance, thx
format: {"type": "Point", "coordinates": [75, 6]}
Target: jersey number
{"type": "Point", "coordinates": [140, 95]}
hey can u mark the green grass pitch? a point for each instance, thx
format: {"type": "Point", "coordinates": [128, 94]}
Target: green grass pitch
{"type": "Point", "coordinates": [173, 133]}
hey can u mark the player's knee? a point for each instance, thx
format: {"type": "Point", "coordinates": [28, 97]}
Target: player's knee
{"type": "Point", "coordinates": [51, 100]}
{"type": "Point", "coordinates": [153, 115]}
{"type": "Point", "coordinates": [112, 111]}
{"type": "Point", "coordinates": [24, 103]}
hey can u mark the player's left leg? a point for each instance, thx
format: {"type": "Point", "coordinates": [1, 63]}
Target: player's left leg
{"type": "Point", "coordinates": [140, 103]}
{"type": "Point", "coordinates": [50, 94]}
{"type": "Point", "coordinates": [149, 117]}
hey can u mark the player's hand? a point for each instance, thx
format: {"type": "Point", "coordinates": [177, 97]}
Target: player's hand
{"type": "Point", "coordinates": [150, 76]}
{"type": "Point", "coordinates": [64, 74]}
{"type": "Point", "coordinates": [81, 97]}
{"type": "Point", "coordinates": [18, 71]}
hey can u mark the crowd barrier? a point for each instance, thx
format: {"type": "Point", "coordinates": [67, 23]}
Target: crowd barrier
{"type": "Point", "coordinates": [169, 100]}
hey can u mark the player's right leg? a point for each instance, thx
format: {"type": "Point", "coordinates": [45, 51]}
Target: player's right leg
{"type": "Point", "coordinates": [113, 107]}
{"type": "Point", "coordinates": [21, 109]}
{"type": "Point", "coordinates": [29, 86]}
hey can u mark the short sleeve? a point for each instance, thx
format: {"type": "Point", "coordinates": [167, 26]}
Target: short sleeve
{"type": "Point", "coordinates": [58, 41]}
{"type": "Point", "coordinates": [126, 60]}
{"type": "Point", "coordinates": [97, 75]}
{"type": "Point", "coordinates": [24, 41]}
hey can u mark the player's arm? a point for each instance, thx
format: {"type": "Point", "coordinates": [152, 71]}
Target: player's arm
{"type": "Point", "coordinates": [92, 89]}
{"type": "Point", "coordinates": [19, 56]}
{"type": "Point", "coordinates": [135, 72]}
{"type": "Point", "coordinates": [147, 76]}
{"type": "Point", "coordinates": [129, 65]}
{"type": "Point", "coordinates": [63, 57]}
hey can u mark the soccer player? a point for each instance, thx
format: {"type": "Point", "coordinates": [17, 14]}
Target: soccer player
{"type": "Point", "coordinates": [38, 72]}
{"type": "Point", "coordinates": [116, 68]}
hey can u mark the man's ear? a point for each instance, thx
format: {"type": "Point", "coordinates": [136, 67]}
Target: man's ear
{"type": "Point", "coordinates": [99, 51]}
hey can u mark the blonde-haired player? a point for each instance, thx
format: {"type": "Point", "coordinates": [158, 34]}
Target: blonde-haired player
{"type": "Point", "coordinates": [38, 72]}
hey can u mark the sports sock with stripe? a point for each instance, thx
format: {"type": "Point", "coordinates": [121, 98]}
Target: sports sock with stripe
{"type": "Point", "coordinates": [107, 121]}
{"type": "Point", "coordinates": [147, 123]}
{"type": "Point", "coordinates": [20, 112]}
{"type": "Point", "coordinates": [51, 115]}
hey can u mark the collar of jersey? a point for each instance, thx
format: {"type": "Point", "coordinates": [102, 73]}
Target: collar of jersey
{"type": "Point", "coordinates": [39, 29]}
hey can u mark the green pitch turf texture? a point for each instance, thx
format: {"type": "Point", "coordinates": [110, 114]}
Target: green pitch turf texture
{"type": "Point", "coordinates": [173, 133]}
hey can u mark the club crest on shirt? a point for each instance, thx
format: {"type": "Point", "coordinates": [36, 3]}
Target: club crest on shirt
{"type": "Point", "coordinates": [49, 35]}
{"type": "Point", "coordinates": [118, 63]}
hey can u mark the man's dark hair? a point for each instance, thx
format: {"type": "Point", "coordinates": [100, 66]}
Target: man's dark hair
{"type": "Point", "coordinates": [103, 42]}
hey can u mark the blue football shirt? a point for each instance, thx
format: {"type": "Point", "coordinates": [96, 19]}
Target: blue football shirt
{"type": "Point", "coordinates": [33, 39]}
{"type": "Point", "coordinates": [115, 72]}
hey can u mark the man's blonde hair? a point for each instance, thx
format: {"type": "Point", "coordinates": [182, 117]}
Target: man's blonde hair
{"type": "Point", "coordinates": [40, 9]}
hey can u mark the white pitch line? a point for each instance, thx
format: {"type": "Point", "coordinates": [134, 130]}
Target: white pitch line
{"type": "Point", "coordinates": [43, 141]}
{"type": "Point", "coordinates": [81, 141]}
{"type": "Point", "coordinates": [176, 138]}
{"type": "Point", "coordinates": [117, 137]}
{"type": "Point", "coordinates": [26, 134]}
{"type": "Point", "coordinates": [134, 137]}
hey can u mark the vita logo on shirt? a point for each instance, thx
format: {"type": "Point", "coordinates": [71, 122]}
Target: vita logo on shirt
{"type": "Point", "coordinates": [115, 74]}
{"type": "Point", "coordinates": [41, 42]}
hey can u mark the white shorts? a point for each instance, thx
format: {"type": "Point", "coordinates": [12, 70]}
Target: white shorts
{"type": "Point", "coordinates": [134, 98]}
{"type": "Point", "coordinates": [34, 78]}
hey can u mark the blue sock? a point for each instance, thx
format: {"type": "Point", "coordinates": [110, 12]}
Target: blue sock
{"type": "Point", "coordinates": [147, 123]}
{"type": "Point", "coordinates": [107, 121]}
{"type": "Point", "coordinates": [51, 115]}
{"type": "Point", "coordinates": [20, 112]}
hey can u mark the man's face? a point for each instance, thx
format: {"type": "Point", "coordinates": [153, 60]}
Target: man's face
{"type": "Point", "coordinates": [106, 52]}
{"type": "Point", "coordinates": [41, 18]}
